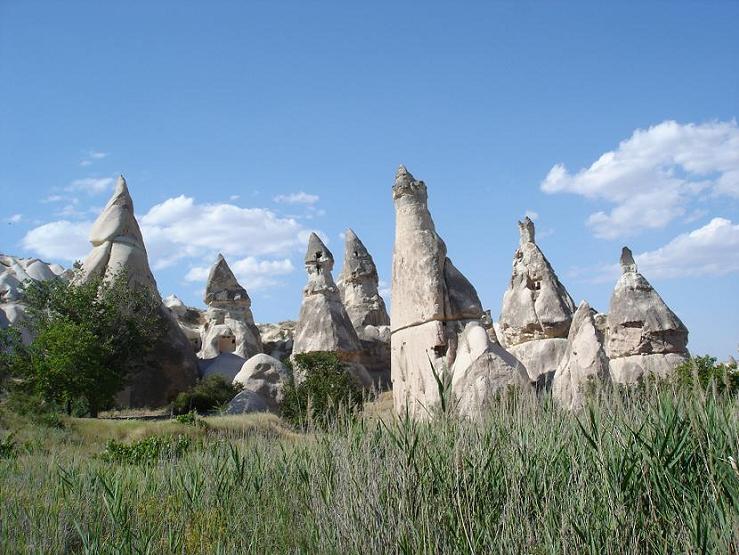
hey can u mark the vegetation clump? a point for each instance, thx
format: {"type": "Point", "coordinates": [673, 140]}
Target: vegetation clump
{"type": "Point", "coordinates": [211, 393]}
{"type": "Point", "coordinates": [146, 451]}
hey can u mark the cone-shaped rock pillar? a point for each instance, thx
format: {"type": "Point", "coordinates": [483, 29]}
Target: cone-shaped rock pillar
{"type": "Point", "coordinates": [585, 363]}
{"type": "Point", "coordinates": [323, 324]}
{"type": "Point", "coordinates": [644, 335]}
{"type": "Point", "coordinates": [437, 319]}
{"type": "Point", "coordinates": [358, 286]}
{"type": "Point", "coordinates": [118, 246]}
{"type": "Point", "coordinates": [229, 324]}
{"type": "Point", "coordinates": [537, 309]}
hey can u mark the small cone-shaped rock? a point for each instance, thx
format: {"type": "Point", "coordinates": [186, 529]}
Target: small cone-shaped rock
{"type": "Point", "coordinates": [537, 309]}
{"type": "Point", "coordinates": [229, 324]}
{"type": "Point", "coordinates": [437, 319]}
{"type": "Point", "coordinates": [644, 335]}
{"type": "Point", "coordinates": [585, 362]}
{"type": "Point", "coordinates": [366, 309]}
{"type": "Point", "coordinates": [118, 246]}
{"type": "Point", "coordinates": [323, 324]}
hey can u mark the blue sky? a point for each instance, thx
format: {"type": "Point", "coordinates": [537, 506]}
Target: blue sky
{"type": "Point", "coordinates": [242, 126]}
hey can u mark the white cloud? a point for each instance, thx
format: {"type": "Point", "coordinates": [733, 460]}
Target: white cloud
{"type": "Point", "coordinates": [62, 240]}
{"type": "Point", "coordinates": [52, 198]}
{"type": "Point", "coordinates": [14, 218]}
{"type": "Point", "coordinates": [655, 175]}
{"type": "Point", "coordinates": [252, 273]}
{"type": "Point", "coordinates": [711, 250]}
{"type": "Point", "coordinates": [531, 215]}
{"type": "Point", "coordinates": [92, 156]}
{"type": "Point", "coordinates": [91, 185]}
{"type": "Point", "coordinates": [297, 198]}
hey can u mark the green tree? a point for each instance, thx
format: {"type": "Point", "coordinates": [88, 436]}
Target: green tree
{"type": "Point", "coordinates": [88, 339]}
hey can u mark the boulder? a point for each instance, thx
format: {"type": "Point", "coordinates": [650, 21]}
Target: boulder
{"type": "Point", "coordinates": [119, 246]}
{"type": "Point", "coordinates": [323, 324]}
{"type": "Point", "coordinates": [438, 324]}
{"type": "Point", "coordinates": [584, 363]}
{"type": "Point", "coordinates": [227, 365]}
{"type": "Point", "coordinates": [229, 324]}
{"type": "Point", "coordinates": [358, 287]}
{"type": "Point", "coordinates": [642, 328]}
{"type": "Point", "coordinates": [247, 402]}
{"type": "Point", "coordinates": [537, 309]}
{"type": "Point", "coordinates": [265, 376]}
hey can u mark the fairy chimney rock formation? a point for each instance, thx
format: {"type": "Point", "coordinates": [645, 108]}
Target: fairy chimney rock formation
{"type": "Point", "coordinates": [118, 246]}
{"type": "Point", "coordinates": [229, 324]}
{"type": "Point", "coordinates": [437, 319]}
{"type": "Point", "coordinates": [358, 287]}
{"type": "Point", "coordinates": [585, 363]}
{"type": "Point", "coordinates": [644, 335]}
{"type": "Point", "coordinates": [323, 324]}
{"type": "Point", "coordinates": [537, 309]}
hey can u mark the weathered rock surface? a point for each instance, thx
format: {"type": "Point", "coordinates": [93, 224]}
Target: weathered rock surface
{"type": "Point", "coordinates": [644, 335]}
{"type": "Point", "coordinates": [358, 287]}
{"type": "Point", "coordinates": [247, 402]}
{"type": "Point", "coordinates": [536, 307]}
{"type": "Point", "coordinates": [265, 376]}
{"type": "Point", "coordinates": [229, 324]}
{"type": "Point", "coordinates": [227, 365]}
{"type": "Point", "coordinates": [14, 273]}
{"type": "Point", "coordinates": [323, 324]}
{"type": "Point", "coordinates": [437, 319]}
{"type": "Point", "coordinates": [277, 339]}
{"type": "Point", "coordinates": [119, 246]}
{"type": "Point", "coordinates": [585, 362]}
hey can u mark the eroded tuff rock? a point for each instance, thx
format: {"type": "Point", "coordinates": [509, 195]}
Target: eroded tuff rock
{"type": "Point", "coordinates": [119, 246]}
{"type": "Point", "coordinates": [14, 273]}
{"type": "Point", "coordinates": [437, 319]}
{"type": "Point", "coordinates": [229, 324]}
{"type": "Point", "coordinates": [323, 324]}
{"type": "Point", "coordinates": [277, 339]}
{"type": "Point", "coordinates": [537, 309]}
{"type": "Point", "coordinates": [265, 376]}
{"type": "Point", "coordinates": [644, 335]}
{"type": "Point", "coordinates": [584, 363]}
{"type": "Point", "coordinates": [358, 287]}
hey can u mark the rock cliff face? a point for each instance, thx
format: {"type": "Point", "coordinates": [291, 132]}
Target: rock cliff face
{"type": "Point", "coordinates": [366, 309]}
{"type": "Point", "coordinates": [537, 309]}
{"type": "Point", "coordinates": [437, 319]}
{"type": "Point", "coordinates": [644, 335]}
{"type": "Point", "coordinates": [119, 246]}
{"type": "Point", "coordinates": [584, 364]}
{"type": "Point", "coordinates": [229, 324]}
{"type": "Point", "coordinates": [323, 324]}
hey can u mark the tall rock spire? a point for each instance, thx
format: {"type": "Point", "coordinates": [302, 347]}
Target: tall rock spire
{"type": "Point", "coordinates": [644, 335]}
{"type": "Point", "coordinates": [366, 309]}
{"type": "Point", "coordinates": [323, 324]}
{"type": "Point", "coordinates": [118, 246]}
{"type": "Point", "coordinates": [437, 318]}
{"type": "Point", "coordinates": [229, 323]}
{"type": "Point", "coordinates": [537, 309]}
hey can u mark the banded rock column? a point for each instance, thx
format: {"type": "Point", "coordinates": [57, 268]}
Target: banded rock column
{"type": "Point", "coordinates": [644, 335]}
{"type": "Point", "coordinates": [437, 319]}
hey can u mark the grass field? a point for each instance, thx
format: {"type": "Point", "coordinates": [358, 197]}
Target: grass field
{"type": "Point", "coordinates": [655, 474]}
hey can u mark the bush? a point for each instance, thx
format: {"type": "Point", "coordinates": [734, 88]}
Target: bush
{"type": "Point", "coordinates": [146, 451]}
{"type": "Point", "coordinates": [703, 372]}
{"type": "Point", "coordinates": [325, 390]}
{"type": "Point", "coordinates": [190, 419]}
{"type": "Point", "coordinates": [8, 448]}
{"type": "Point", "coordinates": [211, 393]}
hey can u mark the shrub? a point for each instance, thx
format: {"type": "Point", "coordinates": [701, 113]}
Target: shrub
{"type": "Point", "coordinates": [146, 451]}
{"type": "Point", "coordinates": [211, 393]}
{"type": "Point", "coordinates": [325, 390]}
{"type": "Point", "coordinates": [703, 372]}
{"type": "Point", "coordinates": [190, 419]}
{"type": "Point", "coordinates": [8, 448]}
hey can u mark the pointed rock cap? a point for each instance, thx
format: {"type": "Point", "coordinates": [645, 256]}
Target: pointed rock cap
{"type": "Point", "coordinates": [223, 287]}
{"type": "Point", "coordinates": [357, 259]}
{"type": "Point", "coordinates": [117, 220]}
{"type": "Point", "coordinates": [628, 264]}
{"type": "Point", "coordinates": [407, 185]}
{"type": "Point", "coordinates": [317, 252]}
{"type": "Point", "coordinates": [527, 231]}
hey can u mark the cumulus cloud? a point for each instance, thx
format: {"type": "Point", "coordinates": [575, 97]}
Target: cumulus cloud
{"type": "Point", "coordinates": [93, 156]}
{"type": "Point", "coordinates": [252, 273]}
{"type": "Point", "coordinates": [91, 185]}
{"type": "Point", "coordinates": [297, 198]}
{"type": "Point", "coordinates": [653, 176]}
{"type": "Point", "coordinates": [61, 240]}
